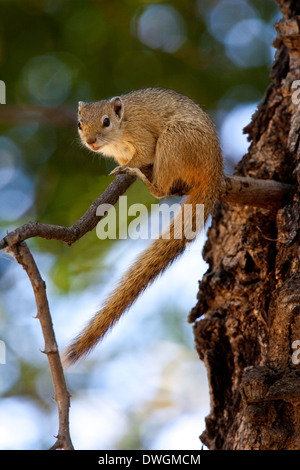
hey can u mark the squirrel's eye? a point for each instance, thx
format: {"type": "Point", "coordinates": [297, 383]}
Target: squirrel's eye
{"type": "Point", "coordinates": [106, 122]}
{"type": "Point", "coordinates": [79, 125]}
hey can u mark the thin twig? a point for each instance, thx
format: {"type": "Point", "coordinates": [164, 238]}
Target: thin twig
{"type": "Point", "coordinates": [64, 117]}
{"type": "Point", "coordinates": [62, 397]}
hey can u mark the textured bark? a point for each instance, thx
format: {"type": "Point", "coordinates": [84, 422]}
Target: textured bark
{"type": "Point", "coordinates": [248, 311]}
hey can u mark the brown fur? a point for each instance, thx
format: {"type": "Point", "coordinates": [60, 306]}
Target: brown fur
{"type": "Point", "coordinates": [170, 132]}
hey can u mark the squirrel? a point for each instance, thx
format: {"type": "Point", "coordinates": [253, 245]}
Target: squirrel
{"type": "Point", "coordinates": [169, 133]}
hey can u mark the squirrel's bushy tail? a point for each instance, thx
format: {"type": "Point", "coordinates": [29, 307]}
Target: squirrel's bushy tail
{"type": "Point", "coordinates": [148, 266]}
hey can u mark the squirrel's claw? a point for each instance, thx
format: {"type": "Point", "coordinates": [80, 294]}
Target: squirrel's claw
{"type": "Point", "coordinates": [123, 170]}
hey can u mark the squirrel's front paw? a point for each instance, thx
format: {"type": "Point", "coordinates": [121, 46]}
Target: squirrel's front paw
{"type": "Point", "coordinates": [123, 170]}
{"type": "Point", "coordinates": [117, 171]}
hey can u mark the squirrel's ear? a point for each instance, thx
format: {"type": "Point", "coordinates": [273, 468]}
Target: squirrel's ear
{"type": "Point", "coordinates": [80, 105]}
{"type": "Point", "coordinates": [117, 106]}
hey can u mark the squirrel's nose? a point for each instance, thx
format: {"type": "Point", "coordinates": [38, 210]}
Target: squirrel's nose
{"type": "Point", "coordinates": [91, 140]}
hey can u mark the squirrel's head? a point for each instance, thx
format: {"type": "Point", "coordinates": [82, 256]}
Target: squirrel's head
{"type": "Point", "coordinates": [99, 123]}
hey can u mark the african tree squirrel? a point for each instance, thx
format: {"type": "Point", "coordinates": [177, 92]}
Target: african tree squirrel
{"type": "Point", "coordinates": [163, 130]}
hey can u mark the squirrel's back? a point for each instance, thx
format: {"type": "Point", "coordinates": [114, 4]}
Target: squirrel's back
{"type": "Point", "coordinates": [165, 105]}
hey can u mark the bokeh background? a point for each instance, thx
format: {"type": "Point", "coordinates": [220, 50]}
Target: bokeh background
{"type": "Point", "coordinates": [144, 387]}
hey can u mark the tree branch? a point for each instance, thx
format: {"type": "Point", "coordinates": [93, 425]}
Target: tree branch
{"type": "Point", "coordinates": [60, 117]}
{"type": "Point", "coordinates": [267, 194]}
{"type": "Point", "coordinates": [83, 225]}
{"type": "Point", "coordinates": [24, 257]}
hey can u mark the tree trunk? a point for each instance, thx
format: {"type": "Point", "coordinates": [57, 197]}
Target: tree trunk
{"type": "Point", "coordinates": [250, 295]}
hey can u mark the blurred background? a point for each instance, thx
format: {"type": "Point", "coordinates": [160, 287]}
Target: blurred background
{"type": "Point", "coordinates": [144, 387]}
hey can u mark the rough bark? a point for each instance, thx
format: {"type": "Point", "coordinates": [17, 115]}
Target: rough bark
{"type": "Point", "coordinates": [248, 312]}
